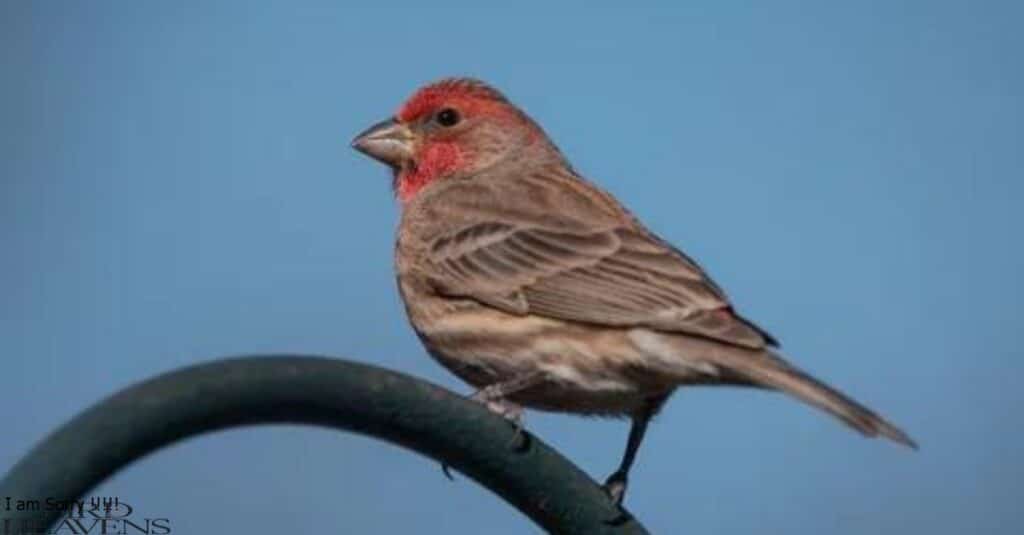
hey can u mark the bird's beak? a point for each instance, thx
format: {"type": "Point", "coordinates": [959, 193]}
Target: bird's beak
{"type": "Point", "coordinates": [388, 141]}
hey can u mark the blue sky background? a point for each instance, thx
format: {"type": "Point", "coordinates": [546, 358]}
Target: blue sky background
{"type": "Point", "coordinates": [176, 185]}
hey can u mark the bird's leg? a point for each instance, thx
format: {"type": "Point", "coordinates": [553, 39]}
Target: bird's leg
{"type": "Point", "coordinates": [506, 388]}
{"type": "Point", "coordinates": [493, 397]}
{"type": "Point", "coordinates": [616, 483]}
{"type": "Point", "coordinates": [503, 407]}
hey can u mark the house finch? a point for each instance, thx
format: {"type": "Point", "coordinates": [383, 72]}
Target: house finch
{"type": "Point", "coordinates": [541, 290]}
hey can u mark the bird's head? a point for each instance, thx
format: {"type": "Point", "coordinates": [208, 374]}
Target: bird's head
{"type": "Point", "coordinates": [453, 128]}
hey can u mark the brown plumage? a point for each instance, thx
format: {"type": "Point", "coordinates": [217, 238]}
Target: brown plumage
{"type": "Point", "coordinates": [540, 289]}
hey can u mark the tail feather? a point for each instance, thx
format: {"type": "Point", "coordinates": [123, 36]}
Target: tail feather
{"type": "Point", "coordinates": [776, 373]}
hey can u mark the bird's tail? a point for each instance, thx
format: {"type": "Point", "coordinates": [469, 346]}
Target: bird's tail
{"type": "Point", "coordinates": [771, 371]}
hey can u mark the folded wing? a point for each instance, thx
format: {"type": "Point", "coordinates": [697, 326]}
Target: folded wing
{"type": "Point", "coordinates": [622, 277]}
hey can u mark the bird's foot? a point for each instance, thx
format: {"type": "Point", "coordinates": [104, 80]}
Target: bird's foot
{"type": "Point", "coordinates": [502, 407]}
{"type": "Point", "coordinates": [506, 409]}
{"type": "Point", "coordinates": [616, 485]}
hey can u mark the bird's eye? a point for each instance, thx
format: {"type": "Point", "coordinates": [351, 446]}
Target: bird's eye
{"type": "Point", "coordinates": [448, 117]}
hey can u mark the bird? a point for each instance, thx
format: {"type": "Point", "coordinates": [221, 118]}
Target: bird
{"type": "Point", "coordinates": [542, 291]}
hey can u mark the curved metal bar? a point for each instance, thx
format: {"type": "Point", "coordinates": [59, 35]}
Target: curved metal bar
{"type": "Point", "coordinates": [328, 392]}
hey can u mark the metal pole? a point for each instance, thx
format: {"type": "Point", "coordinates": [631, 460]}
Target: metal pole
{"type": "Point", "coordinates": [327, 392]}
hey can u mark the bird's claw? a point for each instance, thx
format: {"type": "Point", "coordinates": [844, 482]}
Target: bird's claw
{"type": "Point", "coordinates": [447, 471]}
{"type": "Point", "coordinates": [502, 407]}
{"type": "Point", "coordinates": [511, 412]}
{"type": "Point", "coordinates": [615, 486]}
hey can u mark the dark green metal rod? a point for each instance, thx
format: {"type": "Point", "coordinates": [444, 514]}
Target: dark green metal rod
{"type": "Point", "coordinates": [327, 392]}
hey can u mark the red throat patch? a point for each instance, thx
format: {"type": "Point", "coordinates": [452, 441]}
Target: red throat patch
{"type": "Point", "coordinates": [435, 160]}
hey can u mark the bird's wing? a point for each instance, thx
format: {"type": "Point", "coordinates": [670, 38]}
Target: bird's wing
{"type": "Point", "coordinates": [621, 276]}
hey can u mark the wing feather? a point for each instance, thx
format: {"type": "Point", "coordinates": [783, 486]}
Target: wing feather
{"type": "Point", "coordinates": [621, 277]}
